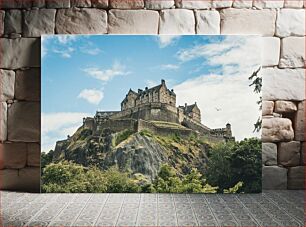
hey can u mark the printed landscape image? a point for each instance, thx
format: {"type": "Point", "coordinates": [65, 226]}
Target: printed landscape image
{"type": "Point", "coordinates": [151, 114]}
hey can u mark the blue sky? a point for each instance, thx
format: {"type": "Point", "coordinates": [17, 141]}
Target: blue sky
{"type": "Point", "coordinates": [83, 74]}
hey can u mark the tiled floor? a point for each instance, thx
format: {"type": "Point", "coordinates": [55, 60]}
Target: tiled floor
{"type": "Point", "coordinates": [271, 208]}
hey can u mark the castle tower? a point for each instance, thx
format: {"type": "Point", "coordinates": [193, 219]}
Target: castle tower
{"type": "Point", "coordinates": [228, 130]}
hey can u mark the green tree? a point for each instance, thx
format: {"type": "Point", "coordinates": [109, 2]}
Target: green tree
{"type": "Point", "coordinates": [194, 183]}
{"type": "Point", "coordinates": [119, 181]}
{"type": "Point", "coordinates": [167, 181]}
{"type": "Point", "coordinates": [46, 158]}
{"type": "Point", "coordinates": [246, 164]}
{"type": "Point", "coordinates": [230, 163]}
{"type": "Point", "coordinates": [64, 177]}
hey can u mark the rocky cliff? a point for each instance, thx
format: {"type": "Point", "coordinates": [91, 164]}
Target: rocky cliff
{"type": "Point", "coordinates": [141, 152]}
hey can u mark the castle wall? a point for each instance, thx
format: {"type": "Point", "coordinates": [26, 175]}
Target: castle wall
{"type": "Point", "coordinates": [117, 125]}
{"type": "Point", "coordinates": [196, 126]}
{"type": "Point", "coordinates": [88, 123]}
{"type": "Point", "coordinates": [155, 96]}
{"type": "Point", "coordinates": [130, 103]}
{"type": "Point", "coordinates": [166, 97]}
{"type": "Point", "coordinates": [151, 111]}
{"type": "Point", "coordinates": [142, 125]}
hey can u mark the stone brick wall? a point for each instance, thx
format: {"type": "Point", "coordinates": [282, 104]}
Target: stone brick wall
{"type": "Point", "coordinates": [281, 22]}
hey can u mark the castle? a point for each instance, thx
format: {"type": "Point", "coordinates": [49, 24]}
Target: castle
{"type": "Point", "coordinates": [155, 109]}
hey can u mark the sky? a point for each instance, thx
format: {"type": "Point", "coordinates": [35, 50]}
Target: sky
{"type": "Point", "coordinates": [82, 74]}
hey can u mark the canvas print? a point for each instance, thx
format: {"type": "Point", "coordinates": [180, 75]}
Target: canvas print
{"type": "Point", "coordinates": [151, 114]}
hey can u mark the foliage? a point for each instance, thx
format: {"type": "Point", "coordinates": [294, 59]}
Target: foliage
{"type": "Point", "coordinates": [46, 158]}
{"type": "Point", "coordinates": [257, 83]}
{"type": "Point", "coordinates": [228, 164]}
{"type": "Point", "coordinates": [146, 132]}
{"type": "Point", "coordinates": [234, 189]}
{"type": "Point", "coordinates": [167, 181]}
{"type": "Point", "coordinates": [194, 183]}
{"type": "Point", "coordinates": [70, 177]}
{"type": "Point", "coordinates": [64, 177]}
{"type": "Point", "coordinates": [233, 162]}
{"type": "Point", "coordinates": [117, 181]}
{"type": "Point", "coordinates": [166, 124]}
{"type": "Point", "coordinates": [123, 135]}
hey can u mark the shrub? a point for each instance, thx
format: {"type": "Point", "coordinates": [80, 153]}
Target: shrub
{"type": "Point", "coordinates": [64, 177]}
{"type": "Point", "coordinates": [119, 181]}
{"type": "Point", "coordinates": [123, 135]}
{"type": "Point", "coordinates": [230, 163]}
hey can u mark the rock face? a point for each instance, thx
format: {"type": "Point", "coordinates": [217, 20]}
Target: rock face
{"type": "Point", "coordinates": [3, 121]}
{"type": "Point", "coordinates": [299, 122]}
{"type": "Point", "coordinates": [270, 51]}
{"type": "Point", "coordinates": [290, 22]}
{"type": "Point", "coordinates": [133, 21]}
{"type": "Point", "coordinates": [141, 155]}
{"type": "Point", "coordinates": [38, 22]}
{"type": "Point", "coordinates": [285, 106]}
{"type": "Point", "coordinates": [126, 4]}
{"type": "Point", "coordinates": [179, 21]}
{"type": "Point", "coordinates": [289, 153]}
{"type": "Point", "coordinates": [248, 21]}
{"type": "Point", "coordinates": [24, 122]}
{"type": "Point", "coordinates": [7, 82]}
{"type": "Point", "coordinates": [269, 154]}
{"type": "Point", "coordinates": [293, 52]}
{"type": "Point", "coordinates": [296, 177]}
{"type": "Point", "coordinates": [27, 86]}
{"type": "Point", "coordinates": [139, 152]}
{"type": "Point", "coordinates": [277, 129]}
{"type": "Point", "coordinates": [274, 177]}
{"type": "Point", "coordinates": [13, 22]}
{"type": "Point", "coordinates": [20, 53]}
{"type": "Point", "coordinates": [267, 107]}
{"type": "Point", "coordinates": [81, 21]}
{"type": "Point", "coordinates": [283, 84]}
{"type": "Point", "coordinates": [153, 4]}
{"type": "Point", "coordinates": [208, 22]}
{"type": "Point", "coordinates": [13, 155]}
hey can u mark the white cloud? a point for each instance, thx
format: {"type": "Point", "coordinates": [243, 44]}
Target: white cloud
{"type": "Point", "coordinates": [65, 39]}
{"type": "Point", "coordinates": [152, 83]}
{"type": "Point", "coordinates": [222, 99]}
{"type": "Point", "coordinates": [166, 40]}
{"type": "Point", "coordinates": [64, 53]}
{"type": "Point", "coordinates": [56, 126]}
{"type": "Point", "coordinates": [169, 67]}
{"type": "Point", "coordinates": [44, 42]}
{"type": "Point", "coordinates": [92, 96]}
{"type": "Point", "coordinates": [117, 69]}
{"type": "Point", "coordinates": [225, 96]}
{"type": "Point", "coordinates": [234, 54]}
{"type": "Point", "coordinates": [91, 51]}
